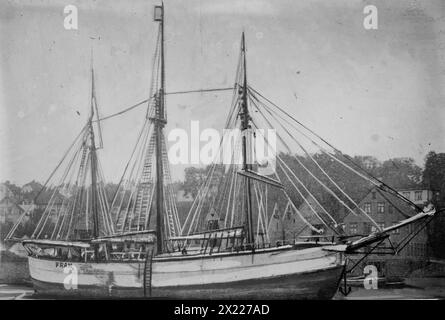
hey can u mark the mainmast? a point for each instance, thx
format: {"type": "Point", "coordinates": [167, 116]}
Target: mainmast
{"type": "Point", "coordinates": [159, 122]}
{"type": "Point", "coordinates": [245, 118]}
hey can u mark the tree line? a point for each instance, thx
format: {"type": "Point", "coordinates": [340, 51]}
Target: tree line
{"type": "Point", "coordinates": [399, 173]}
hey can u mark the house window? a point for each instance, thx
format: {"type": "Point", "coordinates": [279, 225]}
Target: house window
{"type": "Point", "coordinates": [381, 207]}
{"type": "Point", "coordinates": [418, 195]}
{"type": "Point", "coordinates": [381, 225]}
{"type": "Point", "coordinates": [367, 207]}
{"type": "Point", "coordinates": [390, 209]}
{"type": "Point", "coordinates": [406, 194]}
{"type": "Point", "coordinates": [366, 228]}
{"type": "Point", "coordinates": [353, 228]}
{"type": "Point", "coordinates": [373, 196]}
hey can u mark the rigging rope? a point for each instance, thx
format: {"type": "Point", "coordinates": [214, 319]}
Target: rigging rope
{"type": "Point", "coordinates": [301, 195]}
{"type": "Point", "coordinates": [380, 183]}
{"type": "Point", "coordinates": [200, 90]}
{"type": "Point", "coordinates": [123, 111]}
{"type": "Point", "coordinates": [321, 169]}
{"type": "Point", "coordinates": [313, 176]}
{"type": "Point", "coordinates": [45, 215]}
{"type": "Point", "coordinates": [202, 192]}
{"type": "Point", "coordinates": [60, 162]}
{"type": "Point", "coordinates": [147, 100]}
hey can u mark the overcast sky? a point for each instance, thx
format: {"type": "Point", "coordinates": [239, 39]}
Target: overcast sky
{"type": "Point", "coordinates": [369, 92]}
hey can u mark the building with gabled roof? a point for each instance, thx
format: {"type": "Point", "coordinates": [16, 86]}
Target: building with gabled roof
{"type": "Point", "coordinates": [286, 225]}
{"type": "Point", "coordinates": [31, 187]}
{"type": "Point", "coordinates": [386, 210]}
{"type": "Point", "coordinates": [10, 211]}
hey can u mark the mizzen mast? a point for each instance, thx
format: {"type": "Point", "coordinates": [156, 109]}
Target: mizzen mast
{"type": "Point", "coordinates": [245, 126]}
{"type": "Point", "coordinates": [93, 163]}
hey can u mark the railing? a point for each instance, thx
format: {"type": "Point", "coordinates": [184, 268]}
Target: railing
{"type": "Point", "coordinates": [128, 255]}
{"type": "Point", "coordinates": [85, 255]}
{"type": "Point", "coordinates": [215, 244]}
{"type": "Point", "coordinates": [212, 244]}
{"type": "Point", "coordinates": [317, 238]}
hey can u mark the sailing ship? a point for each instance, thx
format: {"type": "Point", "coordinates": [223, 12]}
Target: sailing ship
{"type": "Point", "coordinates": [136, 246]}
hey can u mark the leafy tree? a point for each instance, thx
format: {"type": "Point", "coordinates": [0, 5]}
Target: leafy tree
{"type": "Point", "coordinates": [434, 179]}
{"type": "Point", "coordinates": [400, 173]}
{"type": "Point", "coordinates": [397, 172]}
{"type": "Point", "coordinates": [14, 189]}
{"type": "Point", "coordinates": [110, 189]}
{"type": "Point", "coordinates": [194, 178]}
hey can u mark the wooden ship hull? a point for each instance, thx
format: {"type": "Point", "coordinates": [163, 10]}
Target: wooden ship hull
{"type": "Point", "coordinates": [276, 273]}
{"type": "Point", "coordinates": [90, 247]}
